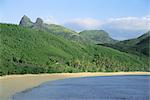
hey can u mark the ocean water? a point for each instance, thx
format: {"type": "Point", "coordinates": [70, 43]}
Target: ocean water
{"type": "Point", "coordinates": [91, 88]}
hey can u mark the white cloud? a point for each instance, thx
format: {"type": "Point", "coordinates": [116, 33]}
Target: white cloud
{"type": "Point", "coordinates": [50, 20]}
{"type": "Point", "coordinates": [124, 23]}
{"type": "Point", "coordinates": [129, 23]}
{"type": "Point", "coordinates": [119, 28]}
{"type": "Point", "coordinates": [83, 23]}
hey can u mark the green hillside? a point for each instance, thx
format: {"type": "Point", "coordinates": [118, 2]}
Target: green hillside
{"type": "Point", "coordinates": [144, 46]}
{"type": "Point", "coordinates": [90, 36]}
{"type": "Point", "coordinates": [97, 36]}
{"type": "Point", "coordinates": [57, 30]}
{"type": "Point", "coordinates": [139, 46]}
{"type": "Point", "coordinates": [25, 50]}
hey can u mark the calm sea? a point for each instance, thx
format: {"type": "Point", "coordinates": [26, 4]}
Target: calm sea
{"type": "Point", "coordinates": [91, 88]}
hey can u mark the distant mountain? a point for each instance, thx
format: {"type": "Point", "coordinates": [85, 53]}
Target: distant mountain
{"type": "Point", "coordinates": [144, 46]}
{"type": "Point", "coordinates": [123, 34]}
{"type": "Point", "coordinates": [93, 36]}
{"type": "Point", "coordinates": [51, 28]}
{"type": "Point", "coordinates": [27, 50]}
{"type": "Point", "coordinates": [97, 36]}
{"type": "Point", "coordinates": [140, 45]}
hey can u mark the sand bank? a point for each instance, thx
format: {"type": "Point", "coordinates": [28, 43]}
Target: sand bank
{"type": "Point", "coordinates": [12, 84]}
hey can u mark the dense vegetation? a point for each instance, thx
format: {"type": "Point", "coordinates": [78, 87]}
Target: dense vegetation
{"type": "Point", "coordinates": [27, 50]}
{"type": "Point", "coordinates": [139, 46]}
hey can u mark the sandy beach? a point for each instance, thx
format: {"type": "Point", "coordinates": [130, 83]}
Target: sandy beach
{"type": "Point", "coordinates": [12, 84]}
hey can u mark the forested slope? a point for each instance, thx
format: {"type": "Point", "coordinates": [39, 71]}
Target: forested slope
{"type": "Point", "coordinates": [24, 50]}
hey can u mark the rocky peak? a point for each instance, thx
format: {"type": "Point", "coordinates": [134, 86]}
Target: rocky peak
{"type": "Point", "coordinates": [25, 21]}
{"type": "Point", "coordinates": [39, 21]}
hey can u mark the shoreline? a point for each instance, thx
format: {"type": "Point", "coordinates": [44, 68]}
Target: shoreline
{"type": "Point", "coordinates": [12, 84]}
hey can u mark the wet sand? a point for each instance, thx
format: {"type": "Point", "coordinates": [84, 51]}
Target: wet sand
{"type": "Point", "coordinates": [12, 84]}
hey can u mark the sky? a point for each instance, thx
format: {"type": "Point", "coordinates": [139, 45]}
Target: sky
{"type": "Point", "coordinates": [123, 19]}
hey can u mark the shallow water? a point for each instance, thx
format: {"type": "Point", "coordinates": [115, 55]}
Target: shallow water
{"type": "Point", "coordinates": [91, 88]}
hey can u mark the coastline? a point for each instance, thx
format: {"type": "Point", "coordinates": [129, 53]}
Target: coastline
{"type": "Point", "coordinates": [12, 84]}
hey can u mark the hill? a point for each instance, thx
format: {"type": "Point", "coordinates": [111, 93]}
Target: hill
{"type": "Point", "coordinates": [57, 30]}
{"type": "Point", "coordinates": [97, 36]}
{"type": "Point", "coordinates": [24, 50]}
{"type": "Point", "coordinates": [139, 46]}
{"type": "Point", "coordinates": [89, 36]}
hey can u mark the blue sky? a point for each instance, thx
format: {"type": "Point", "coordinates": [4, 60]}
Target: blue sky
{"type": "Point", "coordinates": [12, 10]}
{"type": "Point", "coordinates": [75, 13]}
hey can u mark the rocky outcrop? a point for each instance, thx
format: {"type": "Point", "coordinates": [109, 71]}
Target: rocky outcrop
{"type": "Point", "coordinates": [25, 21]}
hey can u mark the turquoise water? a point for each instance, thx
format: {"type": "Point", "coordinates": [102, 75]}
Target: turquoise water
{"type": "Point", "coordinates": [91, 88]}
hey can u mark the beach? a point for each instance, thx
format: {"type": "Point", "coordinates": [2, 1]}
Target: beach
{"type": "Point", "coordinates": [12, 84]}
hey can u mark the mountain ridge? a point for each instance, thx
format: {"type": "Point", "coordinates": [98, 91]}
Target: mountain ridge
{"type": "Point", "coordinates": [139, 45]}
{"type": "Point", "coordinates": [100, 36]}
